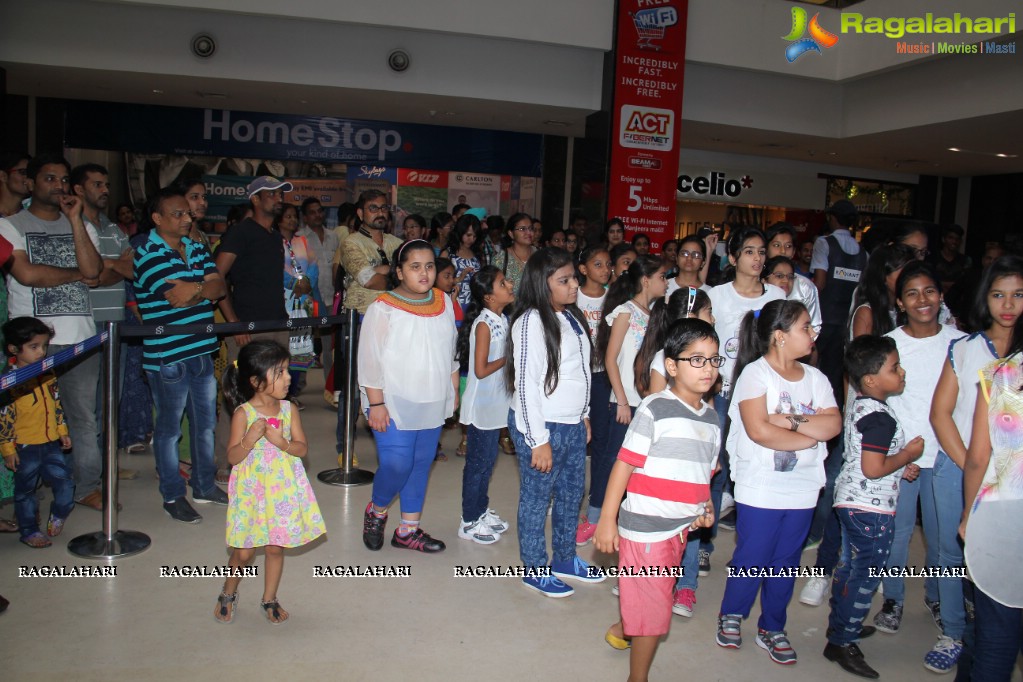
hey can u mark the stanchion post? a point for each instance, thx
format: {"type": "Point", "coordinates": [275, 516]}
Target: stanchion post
{"type": "Point", "coordinates": [110, 543]}
{"type": "Point", "coordinates": [346, 475]}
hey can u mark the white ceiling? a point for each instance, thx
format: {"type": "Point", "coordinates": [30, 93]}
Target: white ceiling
{"type": "Point", "coordinates": [903, 117]}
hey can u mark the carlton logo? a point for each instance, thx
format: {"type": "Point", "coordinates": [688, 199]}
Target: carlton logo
{"type": "Point", "coordinates": [717, 184]}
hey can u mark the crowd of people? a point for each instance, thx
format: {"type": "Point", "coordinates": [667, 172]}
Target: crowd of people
{"type": "Point", "coordinates": [803, 401]}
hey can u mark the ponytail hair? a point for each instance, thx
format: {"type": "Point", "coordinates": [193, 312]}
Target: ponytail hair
{"type": "Point", "coordinates": [626, 287]}
{"type": "Point", "coordinates": [480, 286]}
{"type": "Point", "coordinates": [682, 304]}
{"type": "Point", "coordinates": [757, 328]}
{"type": "Point", "coordinates": [247, 375]}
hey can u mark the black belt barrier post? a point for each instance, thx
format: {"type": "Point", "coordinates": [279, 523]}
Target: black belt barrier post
{"type": "Point", "coordinates": [110, 543]}
{"type": "Point", "coordinates": [346, 475]}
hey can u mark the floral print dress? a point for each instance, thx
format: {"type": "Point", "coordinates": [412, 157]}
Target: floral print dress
{"type": "Point", "coordinates": [270, 499]}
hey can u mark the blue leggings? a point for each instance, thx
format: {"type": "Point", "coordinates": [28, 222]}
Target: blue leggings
{"type": "Point", "coordinates": [405, 459]}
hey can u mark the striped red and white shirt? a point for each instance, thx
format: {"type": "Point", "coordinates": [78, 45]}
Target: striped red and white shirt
{"type": "Point", "coordinates": [674, 449]}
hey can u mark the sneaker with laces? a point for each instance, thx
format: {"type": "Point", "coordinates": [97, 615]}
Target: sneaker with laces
{"type": "Point", "coordinates": [584, 532]}
{"type": "Point", "coordinates": [548, 586]}
{"type": "Point", "coordinates": [373, 529]}
{"type": "Point", "coordinates": [496, 523]}
{"type": "Point", "coordinates": [577, 569]}
{"type": "Point", "coordinates": [776, 643]}
{"type": "Point", "coordinates": [889, 618]}
{"type": "Point", "coordinates": [729, 633]}
{"type": "Point", "coordinates": [685, 600]}
{"type": "Point", "coordinates": [944, 656]}
{"type": "Point", "coordinates": [935, 608]}
{"type": "Point", "coordinates": [419, 540]}
{"type": "Point", "coordinates": [815, 591]}
{"type": "Point", "coordinates": [478, 531]}
{"type": "Point", "coordinates": [704, 563]}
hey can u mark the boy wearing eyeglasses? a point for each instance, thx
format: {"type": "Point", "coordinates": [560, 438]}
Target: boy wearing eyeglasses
{"type": "Point", "coordinates": [665, 464]}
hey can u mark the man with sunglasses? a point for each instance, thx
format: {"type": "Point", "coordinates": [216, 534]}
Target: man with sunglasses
{"type": "Point", "coordinates": [14, 184]}
{"type": "Point", "coordinates": [250, 258]}
{"type": "Point", "coordinates": [366, 255]}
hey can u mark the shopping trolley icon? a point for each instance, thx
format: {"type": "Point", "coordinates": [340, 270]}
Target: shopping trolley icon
{"type": "Point", "coordinates": [650, 25]}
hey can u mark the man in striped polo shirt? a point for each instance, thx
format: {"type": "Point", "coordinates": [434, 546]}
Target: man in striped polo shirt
{"type": "Point", "coordinates": [176, 282]}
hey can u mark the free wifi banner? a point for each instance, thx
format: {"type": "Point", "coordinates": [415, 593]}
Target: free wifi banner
{"type": "Point", "coordinates": [650, 58]}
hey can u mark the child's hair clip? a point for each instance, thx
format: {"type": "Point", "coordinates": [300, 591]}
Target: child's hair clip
{"type": "Point", "coordinates": [234, 363]}
{"type": "Point", "coordinates": [756, 314]}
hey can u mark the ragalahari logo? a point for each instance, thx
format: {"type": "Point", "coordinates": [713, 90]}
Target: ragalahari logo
{"type": "Point", "coordinates": [818, 36]}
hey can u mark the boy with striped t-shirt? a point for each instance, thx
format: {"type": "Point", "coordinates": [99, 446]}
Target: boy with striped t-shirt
{"type": "Point", "coordinates": [665, 464]}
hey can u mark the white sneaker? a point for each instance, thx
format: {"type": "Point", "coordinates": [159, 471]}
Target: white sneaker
{"type": "Point", "coordinates": [727, 504]}
{"type": "Point", "coordinates": [815, 591]}
{"type": "Point", "coordinates": [496, 523]}
{"type": "Point", "coordinates": [478, 532]}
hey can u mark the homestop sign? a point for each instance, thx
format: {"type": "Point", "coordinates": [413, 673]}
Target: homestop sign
{"type": "Point", "coordinates": [650, 56]}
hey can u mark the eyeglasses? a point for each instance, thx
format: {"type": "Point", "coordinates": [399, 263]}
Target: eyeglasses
{"type": "Point", "coordinates": [920, 253]}
{"type": "Point", "coordinates": [525, 228]}
{"type": "Point", "coordinates": [695, 255]}
{"type": "Point", "coordinates": [377, 208]}
{"type": "Point", "coordinates": [178, 215]}
{"type": "Point", "coordinates": [778, 275]}
{"type": "Point", "coordinates": [699, 361]}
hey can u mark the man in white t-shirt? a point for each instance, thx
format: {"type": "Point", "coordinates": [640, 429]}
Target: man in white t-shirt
{"type": "Point", "coordinates": [55, 262]}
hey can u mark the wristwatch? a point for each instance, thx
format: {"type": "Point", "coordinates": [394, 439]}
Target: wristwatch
{"type": "Point", "coordinates": [796, 420]}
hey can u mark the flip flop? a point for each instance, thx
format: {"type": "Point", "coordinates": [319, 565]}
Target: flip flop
{"type": "Point", "coordinates": [8, 526]}
{"type": "Point", "coordinates": [36, 540]}
{"type": "Point", "coordinates": [223, 602]}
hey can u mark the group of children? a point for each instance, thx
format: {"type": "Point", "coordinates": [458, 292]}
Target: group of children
{"type": "Point", "coordinates": [666, 390]}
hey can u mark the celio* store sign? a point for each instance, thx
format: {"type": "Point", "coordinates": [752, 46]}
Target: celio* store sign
{"type": "Point", "coordinates": [750, 187]}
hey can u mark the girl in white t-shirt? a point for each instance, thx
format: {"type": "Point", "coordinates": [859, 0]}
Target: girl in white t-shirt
{"type": "Point", "coordinates": [783, 413]}
{"type": "Point", "coordinates": [485, 403]}
{"type": "Point", "coordinates": [685, 303]}
{"type": "Point", "coordinates": [997, 311]}
{"type": "Point", "coordinates": [923, 344]}
{"type": "Point", "coordinates": [594, 272]}
{"type": "Point", "coordinates": [626, 313]}
{"type": "Point", "coordinates": [691, 260]}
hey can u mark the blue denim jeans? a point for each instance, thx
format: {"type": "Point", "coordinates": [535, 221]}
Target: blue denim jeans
{"type": "Point", "coordinates": [566, 481]}
{"type": "Point", "coordinates": [905, 522]}
{"type": "Point", "coordinates": [999, 639]}
{"type": "Point", "coordinates": [866, 542]}
{"type": "Point", "coordinates": [825, 526]}
{"type": "Point", "coordinates": [947, 484]}
{"type": "Point", "coordinates": [44, 461]}
{"type": "Point", "coordinates": [480, 455]}
{"type": "Point", "coordinates": [690, 565]}
{"type": "Point", "coordinates": [77, 382]}
{"type": "Point", "coordinates": [183, 386]}
{"type": "Point", "coordinates": [405, 458]}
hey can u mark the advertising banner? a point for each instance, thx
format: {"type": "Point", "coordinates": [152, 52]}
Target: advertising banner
{"type": "Point", "coordinates": [475, 189]}
{"type": "Point", "coordinates": [223, 192]}
{"type": "Point", "coordinates": [367, 176]}
{"type": "Point", "coordinates": [325, 139]}
{"type": "Point", "coordinates": [421, 191]}
{"type": "Point", "coordinates": [650, 57]}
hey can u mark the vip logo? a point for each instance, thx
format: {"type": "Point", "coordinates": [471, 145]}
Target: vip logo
{"type": "Point", "coordinates": [818, 36]}
{"type": "Point", "coordinates": [425, 178]}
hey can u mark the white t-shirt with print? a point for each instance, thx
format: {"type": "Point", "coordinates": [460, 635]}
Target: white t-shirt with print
{"type": "Point", "coordinates": [768, 478]}
{"type": "Point", "coordinates": [729, 309]}
{"type": "Point", "coordinates": [630, 348]}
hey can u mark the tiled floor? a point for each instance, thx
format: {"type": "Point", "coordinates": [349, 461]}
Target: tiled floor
{"type": "Point", "coordinates": [429, 626]}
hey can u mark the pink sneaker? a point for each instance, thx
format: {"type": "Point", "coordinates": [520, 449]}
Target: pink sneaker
{"type": "Point", "coordinates": [685, 600]}
{"type": "Point", "coordinates": [584, 533]}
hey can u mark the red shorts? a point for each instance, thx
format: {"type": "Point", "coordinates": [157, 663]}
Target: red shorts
{"type": "Point", "coordinates": [645, 601]}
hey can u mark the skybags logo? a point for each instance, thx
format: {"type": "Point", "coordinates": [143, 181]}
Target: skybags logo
{"type": "Point", "coordinates": [818, 36]}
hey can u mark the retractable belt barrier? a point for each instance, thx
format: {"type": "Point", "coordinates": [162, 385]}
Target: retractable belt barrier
{"type": "Point", "coordinates": [111, 543]}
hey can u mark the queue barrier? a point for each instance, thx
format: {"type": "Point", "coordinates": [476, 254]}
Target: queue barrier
{"type": "Point", "coordinates": [111, 542]}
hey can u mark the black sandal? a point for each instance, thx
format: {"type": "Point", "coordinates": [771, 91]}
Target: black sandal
{"type": "Point", "coordinates": [273, 614]}
{"type": "Point", "coordinates": [225, 600]}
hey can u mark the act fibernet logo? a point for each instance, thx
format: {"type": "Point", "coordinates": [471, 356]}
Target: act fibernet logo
{"type": "Point", "coordinates": [809, 36]}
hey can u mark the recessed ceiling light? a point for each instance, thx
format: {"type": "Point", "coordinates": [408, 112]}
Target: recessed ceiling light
{"type": "Point", "coordinates": [556, 123]}
{"type": "Point", "coordinates": [1007, 156]}
{"type": "Point", "coordinates": [157, 92]}
{"type": "Point", "coordinates": [953, 149]}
